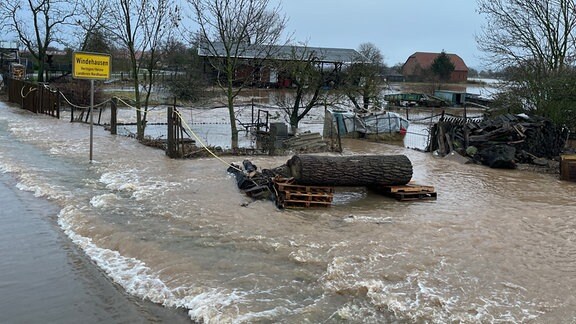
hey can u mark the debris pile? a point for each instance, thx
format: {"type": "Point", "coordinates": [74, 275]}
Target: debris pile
{"type": "Point", "coordinates": [254, 183]}
{"type": "Point", "coordinates": [500, 142]}
{"type": "Point", "coordinates": [306, 142]}
{"type": "Point", "coordinates": [309, 180]}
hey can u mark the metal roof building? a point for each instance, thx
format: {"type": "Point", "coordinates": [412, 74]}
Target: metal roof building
{"type": "Point", "coordinates": [285, 53]}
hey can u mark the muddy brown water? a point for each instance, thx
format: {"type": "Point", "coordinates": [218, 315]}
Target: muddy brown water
{"type": "Point", "coordinates": [496, 246]}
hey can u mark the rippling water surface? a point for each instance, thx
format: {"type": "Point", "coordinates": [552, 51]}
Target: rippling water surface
{"type": "Point", "coordinates": [496, 246]}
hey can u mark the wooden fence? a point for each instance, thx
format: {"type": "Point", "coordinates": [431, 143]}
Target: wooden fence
{"type": "Point", "coordinates": [37, 98]}
{"type": "Point", "coordinates": [40, 98]}
{"type": "Point", "coordinates": [176, 141]}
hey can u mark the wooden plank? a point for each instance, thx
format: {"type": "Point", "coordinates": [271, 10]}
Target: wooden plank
{"type": "Point", "coordinates": [404, 196]}
{"type": "Point", "coordinates": [304, 204]}
{"type": "Point", "coordinates": [308, 202]}
{"type": "Point", "coordinates": [412, 188]}
{"type": "Point", "coordinates": [283, 186]}
{"type": "Point", "coordinates": [406, 188]}
{"type": "Point", "coordinates": [408, 192]}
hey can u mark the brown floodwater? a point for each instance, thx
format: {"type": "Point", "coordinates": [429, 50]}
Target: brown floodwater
{"type": "Point", "coordinates": [496, 246]}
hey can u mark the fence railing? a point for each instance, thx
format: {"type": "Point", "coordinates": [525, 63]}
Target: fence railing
{"type": "Point", "coordinates": [37, 98]}
{"type": "Point", "coordinates": [175, 135]}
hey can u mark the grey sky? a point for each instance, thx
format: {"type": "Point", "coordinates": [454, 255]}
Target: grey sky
{"type": "Point", "coordinates": [397, 27]}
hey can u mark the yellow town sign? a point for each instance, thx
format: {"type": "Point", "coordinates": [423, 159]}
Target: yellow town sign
{"type": "Point", "coordinates": [93, 66]}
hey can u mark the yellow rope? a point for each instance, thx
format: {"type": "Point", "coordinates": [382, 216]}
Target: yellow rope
{"type": "Point", "coordinates": [29, 91]}
{"type": "Point", "coordinates": [202, 143]}
{"type": "Point", "coordinates": [191, 132]}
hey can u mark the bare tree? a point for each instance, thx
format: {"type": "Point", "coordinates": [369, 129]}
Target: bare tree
{"type": "Point", "coordinates": [534, 32]}
{"type": "Point", "coordinates": [234, 33]}
{"type": "Point", "coordinates": [141, 27]}
{"type": "Point", "coordinates": [38, 24]}
{"type": "Point", "coordinates": [188, 82]}
{"type": "Point", "coordinates": [363, 79]}
{"type": "Point", "coordinates": [305, 70]}
{"type": "Point", "coordinates": [535, 42]}
{"type": "Point", "coordinates": [91, 34]}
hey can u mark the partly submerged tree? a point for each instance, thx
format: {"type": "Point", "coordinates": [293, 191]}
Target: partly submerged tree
{"type": "Point", "coordinates": [141, 27]}
{"type": "Point", "coordinates": [186, 81]}
{"type": "Point", "coordinates": [534, 42]}
{"type": "Point", "coordinates": [232, 31]}
{"type": "Point", "coordinates": [38, 24]}
{"type": "Point", "coordinates": [304, 69]}
{"type": "Point", "coordinates": [363, 79]}
{"type": "Point", "coordinates": [442, 67]}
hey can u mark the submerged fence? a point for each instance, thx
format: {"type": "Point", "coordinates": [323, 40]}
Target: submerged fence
{"type": "Point", "coordinates": [170, 127]}
{"type": "Point", "coordinates": [37, 98]}
{"type": "Point", "coordinates": [422, 120]}
{"type": "Point", "coordinates": [41, 99]}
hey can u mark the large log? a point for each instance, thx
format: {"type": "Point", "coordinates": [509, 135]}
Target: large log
{"type": "Point", "coordinates": [357, 170]}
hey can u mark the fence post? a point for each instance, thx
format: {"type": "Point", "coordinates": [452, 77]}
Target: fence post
{"type": "Point", "coordinates": [39, 99]}
{"type": "Point", "coordinates": [71, 113]}
{"type": "Point", "coordinates": [20, 96]}
{"type": "Point", "coordinates": [170, 151]}
{"type": "Point", "coordinates": [58, 103]}
{"type": "Point", "coordinates": [114, 116]}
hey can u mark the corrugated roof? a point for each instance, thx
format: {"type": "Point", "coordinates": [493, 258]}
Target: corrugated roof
{"type": "Point", "coordinates": [287, 52]}
{"type": "Point", "coordinates": [425, 60]}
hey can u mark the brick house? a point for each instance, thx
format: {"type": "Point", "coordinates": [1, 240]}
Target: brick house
{"type": "Point", "coordinates": [417, 66]}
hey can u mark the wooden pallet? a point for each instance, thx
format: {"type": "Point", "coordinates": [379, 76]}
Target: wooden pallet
{"type": "Point", "coordinates": [290, 195]}
{"type": "Point", "coordinates": [568, 167]}
{"type": "Point", "coordinates": [408, 192]}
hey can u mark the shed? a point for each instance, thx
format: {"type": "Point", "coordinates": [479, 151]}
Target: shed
{"type": "Point", "coordinates": [395, 78]}
{"type": "Point", "coordinates": [454, 98]}
{"type": "Point", "coordinates": [9, 53]}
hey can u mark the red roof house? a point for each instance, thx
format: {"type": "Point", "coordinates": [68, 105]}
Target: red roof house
{"type": "Point", "coordinates": [419, 63]}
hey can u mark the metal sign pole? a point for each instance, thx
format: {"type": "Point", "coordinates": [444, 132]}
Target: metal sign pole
{"type": "Point", "coordinates": [91, 66]}
{"type": "Point", "coordinates": [91, 117]}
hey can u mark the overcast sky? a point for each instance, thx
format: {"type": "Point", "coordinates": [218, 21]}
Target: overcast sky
{"type": "Point", "coordinates": [397, 27]}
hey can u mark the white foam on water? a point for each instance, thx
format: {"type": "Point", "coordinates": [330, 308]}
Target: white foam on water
{"type": "Point", "coordinates": [8, 168]}
{"type": "Point", "coordinates": [132, 274]}
{"type": "Point", "coordinates": [67, 148]}
{"type": "Point", "coordinates": [120, 181]}
{"type": "Point", "coordinates": [131, 181]}
{"type": "Point", "coordinates": [206, 307]}
{"type": "Point", "coordinates": [23, 132]}
{"type": "Point", "coordinates": [204, 304]}
{"type": "Point", "coordinates": [104, 200]}
{"type": "Point", "coordinates": [263, 316]}
{"type": "Point", "coordinates": [426, 295]}
{"type": "Point", "coordinates": [40, 189]}
{"type": "Point", "coordinates": [367, 219]}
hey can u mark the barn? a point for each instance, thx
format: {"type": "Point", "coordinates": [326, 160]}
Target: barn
{"type": "Point", "coordinates": [266, 73]}
{"type": "Point", "coordinates": [418, 65]}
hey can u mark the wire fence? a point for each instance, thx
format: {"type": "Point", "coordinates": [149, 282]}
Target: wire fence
{"type": "Point", "coordinates": [211, 125]}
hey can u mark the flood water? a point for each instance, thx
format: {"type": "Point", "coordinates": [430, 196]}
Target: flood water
{"type": "Point", "coordinates": [497, 246]}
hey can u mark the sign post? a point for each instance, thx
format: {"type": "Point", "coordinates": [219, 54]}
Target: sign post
{"type": "Point", "coordinates": [91, 66]}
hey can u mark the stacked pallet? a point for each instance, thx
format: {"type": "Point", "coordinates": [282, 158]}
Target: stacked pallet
{"type": "Point", "coordinates": [408, 192]}
{"type": "Point", "coordinates": [291, 195]}
{"type": "Point", "coordinates": [306, 142]}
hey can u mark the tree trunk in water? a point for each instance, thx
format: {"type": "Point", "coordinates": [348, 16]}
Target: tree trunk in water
{"type": "Point", "coordinates": [359, 170]}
